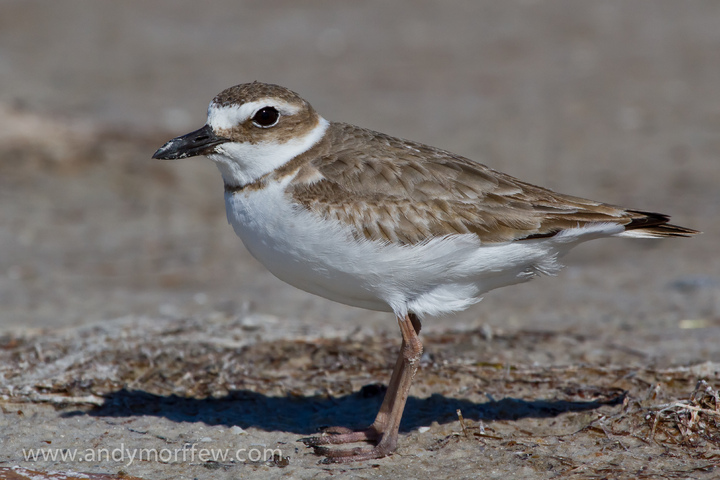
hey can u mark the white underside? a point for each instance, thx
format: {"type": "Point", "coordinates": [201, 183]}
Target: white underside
{"type": "Point", "coordinates": [440, 276]}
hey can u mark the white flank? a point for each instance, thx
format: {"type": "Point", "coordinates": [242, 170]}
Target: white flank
{"type": "Point", "coordinates": [242, 163]}
{"type": "Point", "coordinates": [638, 233]}
{"type": "Point", "coordinates": [442, 275]}
{"type": "Point", "coordinates": [228, 116]}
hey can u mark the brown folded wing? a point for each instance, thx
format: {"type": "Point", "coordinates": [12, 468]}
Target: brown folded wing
{"type": "Point", "coordinates": [398, 191]}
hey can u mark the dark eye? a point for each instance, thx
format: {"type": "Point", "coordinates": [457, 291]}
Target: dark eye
{"type": "Point", "coordinates": [266, 117]}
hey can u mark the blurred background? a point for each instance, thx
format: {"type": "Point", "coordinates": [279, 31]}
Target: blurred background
{"type": "Point", "coordinates": [616, 101]}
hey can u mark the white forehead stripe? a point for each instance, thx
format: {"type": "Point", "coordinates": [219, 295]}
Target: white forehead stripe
{"type": "Point", "coordinates": [229, 116]}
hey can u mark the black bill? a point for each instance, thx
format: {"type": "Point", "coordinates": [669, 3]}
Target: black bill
{"type": "Point", "coordinates": [199, 142]}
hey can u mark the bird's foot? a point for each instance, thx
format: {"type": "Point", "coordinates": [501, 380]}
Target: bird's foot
{"type": "Point", "coordinates": [341, 435]}
{"type": "Point", "coordinates": [357, 454]}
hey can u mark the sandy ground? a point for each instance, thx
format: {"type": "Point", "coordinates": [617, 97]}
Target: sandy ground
{"type": "Point", "coordinates": [131, 315]}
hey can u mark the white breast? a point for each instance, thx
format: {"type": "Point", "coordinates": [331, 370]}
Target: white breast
{"type": "Point", "coordinates": [442, 275]}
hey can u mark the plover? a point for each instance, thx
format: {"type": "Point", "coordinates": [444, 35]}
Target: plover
{"type": "Point", "coordinates": [377, 222]}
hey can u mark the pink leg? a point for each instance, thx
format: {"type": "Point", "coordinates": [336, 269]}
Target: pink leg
{"type": "Point", "coordinates": [385, 428]}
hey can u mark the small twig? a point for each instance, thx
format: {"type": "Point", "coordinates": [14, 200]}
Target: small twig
{"type": "Point", "coordinates": [462, 423]}
{"type": "Point", "coordinates": [668, 406]}
{"type": "Point", "coordinates": [698, 409]}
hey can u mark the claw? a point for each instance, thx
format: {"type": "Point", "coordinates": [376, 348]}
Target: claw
{"type": "Point", "coordinates": [310, 441]}
{"type": "Point", "coordinates": [319, 450]}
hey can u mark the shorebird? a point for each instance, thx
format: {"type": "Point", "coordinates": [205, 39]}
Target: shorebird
{"type": "Point", "coordinates": [382, 223]}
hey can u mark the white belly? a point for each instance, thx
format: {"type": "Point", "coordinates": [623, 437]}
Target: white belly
{"type": "Point", "coordinates": [299, 250]}
{"type": "Point", "coordinates": [321, 257]}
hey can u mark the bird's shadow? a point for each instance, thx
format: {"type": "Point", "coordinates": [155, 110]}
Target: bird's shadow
{"type": "Point", "coordinates": [306, 415]}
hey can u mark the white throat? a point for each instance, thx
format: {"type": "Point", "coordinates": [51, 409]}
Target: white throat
{"type": "Point", "coordinates": [243, 163]}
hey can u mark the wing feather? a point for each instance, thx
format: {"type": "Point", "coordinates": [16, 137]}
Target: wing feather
{"type": "Point", "coordinates": [398, 191]}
